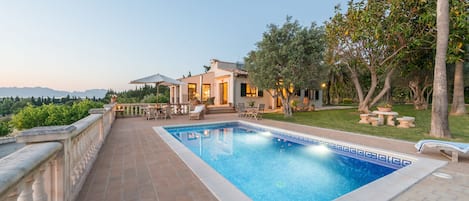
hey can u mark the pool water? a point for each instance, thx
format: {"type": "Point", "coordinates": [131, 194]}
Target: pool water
{"type": "Point", "coordinates": [266, 166]}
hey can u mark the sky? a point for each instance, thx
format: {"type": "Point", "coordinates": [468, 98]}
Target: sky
{"type": "Point", "coordinates": [88, 44]}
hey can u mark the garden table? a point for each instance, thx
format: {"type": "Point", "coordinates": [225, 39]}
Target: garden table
{"type": "Point", "coordinates": [389, 116]}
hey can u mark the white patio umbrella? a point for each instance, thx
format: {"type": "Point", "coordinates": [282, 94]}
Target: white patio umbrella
{"type": "Point", "coordinates": [157, 79]}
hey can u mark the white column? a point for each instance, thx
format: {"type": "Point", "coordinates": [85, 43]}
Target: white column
{"type": "Point", "coordinates": [201, 81]}
{"type": "Point", "coordinates": [319, 101]}
{"type": "Point", "coordinates": [231, 86]}
{"type": "Point", "coordinates": [180, 94]}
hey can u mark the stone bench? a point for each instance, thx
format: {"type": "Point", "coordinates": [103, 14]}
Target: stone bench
{"type": "Point", "coordinates": [406, 122]}
{"type": "Point", "coordinates": [376, 121]}
{"type": "Point", "coordinates": [365, 118]}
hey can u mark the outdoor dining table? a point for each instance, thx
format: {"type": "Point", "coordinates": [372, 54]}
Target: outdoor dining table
{"type": "Point", "coordinates": [389, 116]}
{"type": "Point", "coordinates": [151, 112]}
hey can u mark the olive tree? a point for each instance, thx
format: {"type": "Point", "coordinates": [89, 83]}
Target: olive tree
{"type": "Point", "coordinates": [288, 57]}
{"type": "Point", "coordinates": [367, 40]}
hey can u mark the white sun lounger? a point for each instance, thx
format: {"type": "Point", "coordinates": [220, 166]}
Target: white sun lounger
{"type": "Point", "coordinates": [198, 112]}
{"type": "Point", "coordinates": [453, 147]}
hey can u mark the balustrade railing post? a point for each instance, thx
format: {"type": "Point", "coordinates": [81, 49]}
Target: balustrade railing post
{"type": "Point", "coordinates": [26, 190]}
{"type": "Point", "coordinates": [13, 196]}
{"type": "Point", "coordinates": [72, 151]}
{"type": "Point", "coordinates": [52, 189]}
{"type": "Point", "coordinates": [66, 170]}
{"type": "Point", "coordinates": [39, 192]}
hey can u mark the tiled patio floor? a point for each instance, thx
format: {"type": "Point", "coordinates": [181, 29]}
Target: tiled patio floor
{"type": "Point", "coordinates": [135, 164]}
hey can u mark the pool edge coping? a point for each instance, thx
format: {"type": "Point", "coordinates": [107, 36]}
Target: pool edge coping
{"type": "Point", "coordinates": [220, 187]}
{"type": "Point", "coordinates": [380, 189]}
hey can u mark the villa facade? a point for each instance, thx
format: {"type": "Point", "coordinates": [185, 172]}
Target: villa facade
{"type": "Point", "coordinates": [227, 84]}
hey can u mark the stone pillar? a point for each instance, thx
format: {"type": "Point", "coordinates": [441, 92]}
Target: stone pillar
{"type": "Point", "coordinates": [26, 190]}
{"type": "Point", "coordinates": [39, 193]}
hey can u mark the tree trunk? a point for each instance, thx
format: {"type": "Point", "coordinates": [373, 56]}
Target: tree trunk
{"type": "Point", "coordinates": [369, 94]}
{"type": "Point", "coordinates": [328, 97]}
{"type": "Point", "coordinates": [362, 106]}
{"type": "Point", "coordinates": [418, 93]}
{"type": "Point", "coordinates": [386, 88]}
{"type": "Point", "coordinates": [439, 123]}
{"type": "Point", "coordinates": [458, 107]}
{"type": "Point", "coordinates": [287, 110]}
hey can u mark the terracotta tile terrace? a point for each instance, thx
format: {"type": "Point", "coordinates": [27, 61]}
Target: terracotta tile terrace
{"type": "Point", "coordinates": [135, 164]}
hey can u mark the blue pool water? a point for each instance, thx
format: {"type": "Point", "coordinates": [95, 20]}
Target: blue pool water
{"type": "Point", "coordinates": [267, 166]}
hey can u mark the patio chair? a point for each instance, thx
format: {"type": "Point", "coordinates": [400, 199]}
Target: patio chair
{"type": "Point", "coordinates": [167, 112]}
{"type": "Point", "coordinates": [257, 113]}
{"type": "Point", "coordinates": [198, 112]}
{"type": "Point", "coordinates": [241, 109]}
{"type": "Point", "coordinates": [151, 112]}
{"type": "Point", "coordinates": [443, 146]}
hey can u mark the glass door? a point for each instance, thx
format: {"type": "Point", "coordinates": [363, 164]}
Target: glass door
{"type": "Point", "coordinates": [224, 93]}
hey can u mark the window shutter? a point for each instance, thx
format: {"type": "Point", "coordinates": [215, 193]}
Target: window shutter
{"type": "Point", "coordinates": [260, 92]}
{"type": "Point", "coordinates": [243, 89]}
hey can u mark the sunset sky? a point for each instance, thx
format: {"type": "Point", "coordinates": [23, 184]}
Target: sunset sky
{"type": "Point", "coordinates": [79, 45]}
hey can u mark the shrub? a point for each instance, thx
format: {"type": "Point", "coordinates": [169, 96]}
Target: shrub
{"type": "Point", "coordinates": [5, 128]}
{"type": "Point", "coordinates": [151, 98]}
{"type": "Point", "coordinates": [347, 101]}
{"type": "Point", "coordinates": [52, 115]}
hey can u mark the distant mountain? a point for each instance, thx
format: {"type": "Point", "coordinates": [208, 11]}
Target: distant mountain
{"type": "Point", "coordinates": [44, 92]}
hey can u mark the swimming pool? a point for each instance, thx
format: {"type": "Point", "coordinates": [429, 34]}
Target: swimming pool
{"type": "Point", "coordinates": [273, 164]}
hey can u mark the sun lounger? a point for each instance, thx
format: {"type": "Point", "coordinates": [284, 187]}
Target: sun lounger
{"type": "Point", "coordinates": [198, 112]}
{"type": "Point", "coordinates": [453, 147]}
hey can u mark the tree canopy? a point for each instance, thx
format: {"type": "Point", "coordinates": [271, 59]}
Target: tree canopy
{"type": "Point", "coordinates": [366, 40]}
{"type": "Point", "coordinates": [288, 57]}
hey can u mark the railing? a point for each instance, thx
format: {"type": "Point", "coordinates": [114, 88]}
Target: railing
{"type": "Point", "coordinates": [56, 160]}
{"type": "Point", "coordinates": [130, 109]}
{"type": "Point", "coordinates": [138, 109]}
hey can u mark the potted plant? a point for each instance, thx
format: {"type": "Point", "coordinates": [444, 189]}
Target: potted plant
{"type": "Point", "coordinates": [294, 105]}
{"type": "Point", "coordinates": [251, 103]}
{"type": "Point", "coordinates": [113, 98]}
{"type": "Point", "coordinates": [385, 107]}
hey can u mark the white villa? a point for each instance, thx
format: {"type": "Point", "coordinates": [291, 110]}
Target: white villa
{"type": "Point", "coordinates": [227, 84]}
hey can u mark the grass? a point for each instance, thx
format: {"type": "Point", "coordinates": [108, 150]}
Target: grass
{"type": "Point", "coordinates": [347, 120]}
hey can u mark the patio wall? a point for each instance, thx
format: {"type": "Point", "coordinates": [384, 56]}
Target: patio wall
{"type": "Point", "coordinates": [56, 160]}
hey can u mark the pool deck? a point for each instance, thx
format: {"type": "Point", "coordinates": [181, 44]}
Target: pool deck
{"type": "Point", "coordinates": [135, 164]}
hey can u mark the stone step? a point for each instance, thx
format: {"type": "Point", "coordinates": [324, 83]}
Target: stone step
{"type": "Point", "coordinates": [219, 110]}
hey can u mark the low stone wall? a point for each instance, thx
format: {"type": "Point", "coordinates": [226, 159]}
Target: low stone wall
{"type": "Point", "coordinates": [56, 160]}
{"type": "Point", "coordinates": [6, 140]}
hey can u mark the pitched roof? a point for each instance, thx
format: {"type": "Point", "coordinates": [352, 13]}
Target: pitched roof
{"type": "Point", "coordinates": [231, 67]}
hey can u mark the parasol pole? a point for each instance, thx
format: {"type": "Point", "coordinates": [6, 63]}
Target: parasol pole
{"type": "Point", "coordinates": [157, 92]}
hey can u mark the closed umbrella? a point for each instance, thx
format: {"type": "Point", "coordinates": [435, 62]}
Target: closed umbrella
{"type": "Point", "coordinates": [157, 79]}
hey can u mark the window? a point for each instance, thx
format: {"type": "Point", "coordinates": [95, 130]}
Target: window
{"type": "Point", "coordinates": [250, 91]}
{"type": "Point", "coordinates": [192, 90]}
{"type": "Point", "coordinates": [298, 92]}
{"type": "Point", "coordinates": [205, 92]}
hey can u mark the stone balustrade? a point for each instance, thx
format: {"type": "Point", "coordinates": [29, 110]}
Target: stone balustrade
{"type": "Point", "coordinates": [56, 160]}
{"type": "Point", "coordinates": [138, 109]}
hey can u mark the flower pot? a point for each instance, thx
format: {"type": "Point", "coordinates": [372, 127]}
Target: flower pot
{"type": "Point", "coordinates": [384, 109]}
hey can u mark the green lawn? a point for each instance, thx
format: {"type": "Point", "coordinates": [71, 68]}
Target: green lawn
{"type": "Point", "coordinates": [347, 120]}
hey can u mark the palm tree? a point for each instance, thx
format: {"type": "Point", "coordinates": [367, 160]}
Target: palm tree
{"type": "Point", "coordinates": [458, 107]}
{"type": "Point", "coordinates": [439, 122]}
